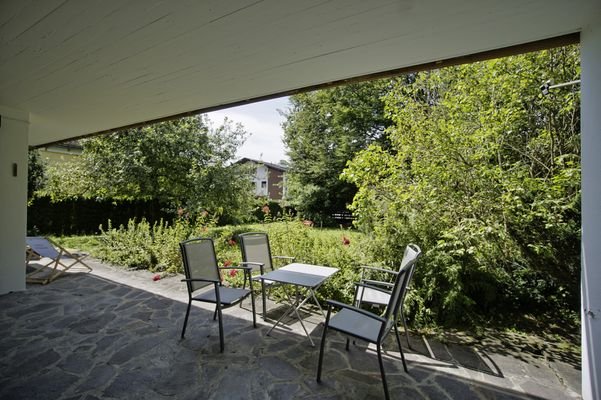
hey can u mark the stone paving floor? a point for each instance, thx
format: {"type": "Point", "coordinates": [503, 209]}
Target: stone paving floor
{"type": "Point", "coordinates": [115, 334]}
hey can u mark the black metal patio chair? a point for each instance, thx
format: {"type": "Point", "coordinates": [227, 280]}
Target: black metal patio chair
{"type": "Point", "coordinates": [202, 272]}
{"type": "Point", "coordinates": [364, 325]}
{"type": "Point", "coordinates": [383, 280]}
{"type": "Point", "coordinates": [256, 253]}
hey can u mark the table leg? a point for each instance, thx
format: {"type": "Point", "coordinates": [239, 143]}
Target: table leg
{"type": "Point", "coordinates": [317, 302]}
{"type": "Point", "coordinates": [285, 314]}
{"type": "Point", "coordinates": [294, 307]}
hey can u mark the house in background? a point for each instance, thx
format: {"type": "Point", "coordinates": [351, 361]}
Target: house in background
{"type": "Point", "coordinates": [269, 179]}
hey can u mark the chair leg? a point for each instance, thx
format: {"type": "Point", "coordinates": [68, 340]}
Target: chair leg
{"type": "Point", "coordinates": [264, 298]}
{"type": "Point", "coordinates": [386, 395]}
{"type": "Point", "coordinates": [252, 299]}
{"type": "Point", "coordinates": [219, 314]}
{"type": "Point", "coordinates": [186, 319]}
{"type": "Point", "coordinates": [215, 312]}
{"type": "Point", "coordinates": [243, 287]}
{"type": "Point", "coordinates": [398, 340]}
{"type": "Point", "coordinates": [221, 339]}
{"type": "Point", "coordinates": [405, 326]}
{"type": "Point", "coordinates": [323, 345]}
{"type": "Point", "coordinates": [348, 340]}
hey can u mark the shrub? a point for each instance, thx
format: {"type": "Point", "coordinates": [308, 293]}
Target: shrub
{"type": "Point", "coordinates": [483, 173]}
{"type": "Point", "coordinates": [129, 246]}
{"type": "Point", "coordinates": [156, 248]}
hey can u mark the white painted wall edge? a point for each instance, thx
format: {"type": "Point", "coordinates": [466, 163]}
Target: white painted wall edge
{"type": "Point", "coordinates": [591, 211]}
{"type": "Point", "coordinates": [14, 140]}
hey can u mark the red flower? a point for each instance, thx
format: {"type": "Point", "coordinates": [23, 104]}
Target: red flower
{"type": "Point", "coordinates": [265, 209]}
{"type": "Point", "coordinates": [227, 263]}
{"type": "Point", "coordinates": [346, 241]}
{"type": "Point", "coordinates": [233, 272]}
{"type": "Point", "coordinates": [156, 277]}
{"type": "Point", "coordinates": [231, 242]}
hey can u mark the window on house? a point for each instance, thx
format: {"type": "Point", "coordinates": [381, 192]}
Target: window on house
{"type": "Point", "coordinates": [263, 184]}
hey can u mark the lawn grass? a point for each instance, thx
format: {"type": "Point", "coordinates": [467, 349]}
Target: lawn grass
{"type": "Point", "coordinates": [87, 243]}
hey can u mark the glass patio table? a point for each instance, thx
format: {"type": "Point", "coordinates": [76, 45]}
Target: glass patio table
{"type": "Point", "coordinates": [304, 277]}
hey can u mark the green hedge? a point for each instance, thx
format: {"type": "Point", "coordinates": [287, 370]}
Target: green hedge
{"type": "Point", "coordinates": [84, 216]}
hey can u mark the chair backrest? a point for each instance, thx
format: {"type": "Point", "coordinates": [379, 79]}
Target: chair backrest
{"type": "Point", "coordinates": [397, 296]}
{"type": "Point", "coordinates": [42, 246]}
{"type": "Point", "coordinates": [200, 262]}
{"type": "Point", "coordinates": [411, 271]}
{"type": "Point", "coordinates": [255, 248]}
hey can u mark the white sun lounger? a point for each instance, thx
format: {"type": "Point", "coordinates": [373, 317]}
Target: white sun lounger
{"type": "Point", "coordinates": [60, 259]}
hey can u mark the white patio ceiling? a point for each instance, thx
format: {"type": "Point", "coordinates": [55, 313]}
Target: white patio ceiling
{"type": "Point", "coordinates": [80, 67]}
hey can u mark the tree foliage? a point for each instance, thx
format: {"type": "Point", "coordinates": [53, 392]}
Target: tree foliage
{"type": "Point", "coordinates": [483, 172]}
{"type": "Point", "coordinates": [185, 163]}
{"type": "Point", "coordinates": [36, 173]}
{"type": "Point", "coordinates": [323, 130]}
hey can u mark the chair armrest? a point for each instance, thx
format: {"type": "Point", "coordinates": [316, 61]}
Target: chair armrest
{"type": "Point", "coordinates": [389, 271]}
{"type": "Point", "coordinates": [379, 289]}
{"type": "Point", "coordinates": [247, 268]}
{"type": "Point", "coordinates": [248, 265]}
{"type": "Point", "coordinates": [252, 263]}
{"type": "Point", "coordinates": [377, 283]}
{"type": "Point", "coordinates": [337, 304]}
{"type": "Point", "coordinates": [200, 280]}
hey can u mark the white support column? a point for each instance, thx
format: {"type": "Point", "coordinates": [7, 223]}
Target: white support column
{"type": "Point", "coordinates": [591, 210]}
{"type": "Point", "coordinates": [14, 130]}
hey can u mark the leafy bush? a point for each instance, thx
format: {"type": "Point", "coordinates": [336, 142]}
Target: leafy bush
{"type": "Point", "coordinates": [156, 248]}
{"type": "Point", "coordinates": [483, 173]}
{"type": "Point", "coordinates": [129, 246]}
{"type": "Point", "coordinates": [267, 210]}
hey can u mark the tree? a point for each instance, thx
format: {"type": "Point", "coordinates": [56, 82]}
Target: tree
{"type": "Point", "coordinates": [483, 172]}
{"type": "Point", "coordinates": [323, 130]}
{"type": "Point", "coordinates": [36, 173]}
{"type": "Point", "coordinates": [185, 163]}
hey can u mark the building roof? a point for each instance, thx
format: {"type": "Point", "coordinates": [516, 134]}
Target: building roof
{"type": "Point", "coordinates": [267, 164]}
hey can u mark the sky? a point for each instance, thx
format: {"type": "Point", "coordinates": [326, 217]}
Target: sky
{"type": "Point", "coordinates": [263, 122]}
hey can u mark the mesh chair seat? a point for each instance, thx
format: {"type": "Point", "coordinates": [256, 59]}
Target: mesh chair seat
{"type": "Point", "coordinates": [360, 325]}
{"type": "Point", "coordinates": [227, 296]}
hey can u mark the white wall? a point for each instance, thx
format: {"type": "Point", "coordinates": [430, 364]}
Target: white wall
{"type": "Point", "coordinates": [591, 210]}
{"type": "Point", "coordinates": [13, 199]}
{"type": "Point", "coordinates": [261, 175]}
